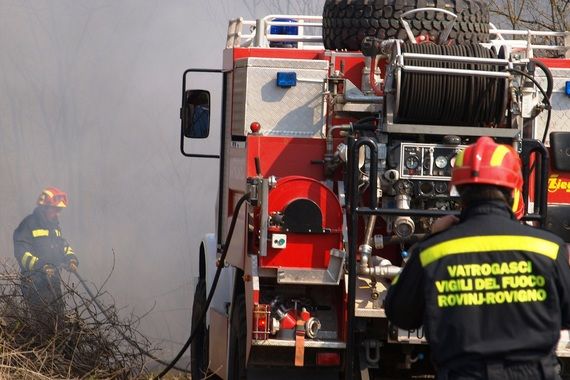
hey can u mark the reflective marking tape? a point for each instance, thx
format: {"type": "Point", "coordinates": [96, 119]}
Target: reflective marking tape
{"type": "Point", "coordinates": [29, 260]}
{"type": "Point", "coordinates": [27, 256]}
{"type": "Point", "coordinates": [478, 244]}
{"type": "Point", "coordinates": [39, 233]}
{"type": "Point", "coordinates": [33, 262]}
{"type": "Point", "coordinates": [459, 159]}
{"type": "Point", "coordinates": [498, 155]}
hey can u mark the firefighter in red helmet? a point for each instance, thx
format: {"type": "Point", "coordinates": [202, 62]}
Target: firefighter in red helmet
{"type": "Point", "coordinates": [492, 293]}
{"type": "Point", "coordinates": [41, 250]}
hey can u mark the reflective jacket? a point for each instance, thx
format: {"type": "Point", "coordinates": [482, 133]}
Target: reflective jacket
{"type": "Point", "coordinates": [489, 288]}
{"type": "Point", "coordinates": [38, 241]}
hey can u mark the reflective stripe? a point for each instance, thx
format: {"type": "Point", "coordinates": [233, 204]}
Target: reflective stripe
{"type": "Point", "coordinates": [498, 155]}
{"type": "Point", "coordinates": [27, 256]}
{"type": "Point", "coordinates": [516, 200]}
{"type": "Point", "coordinates": [459, 159]}
{"type": "Point", "coordinates": [68, 250]}
{"type": "Point", "coordinates": [57, 233]}
{"type": "Point", "coordinates": [395, 279]}
{"type": "Point", "coordinates": [39, 233]}
{"type": "Point", "coordinates": [29, 260]}
{"type": "Point", "coordinates": [479, 244]}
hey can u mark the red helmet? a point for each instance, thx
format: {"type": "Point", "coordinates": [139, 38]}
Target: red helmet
{"type": "Point", "coordinates": [489, 163]}
{"type": "Point", "coordinates": [52, 196]}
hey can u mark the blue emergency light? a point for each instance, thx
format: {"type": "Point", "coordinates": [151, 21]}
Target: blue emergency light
{"type": "Point", "coordinates": [286, 79]}
{"type": "Point", "coordinates": [568, 88]}
{"type": "Point", "coordinates": [284, 31]}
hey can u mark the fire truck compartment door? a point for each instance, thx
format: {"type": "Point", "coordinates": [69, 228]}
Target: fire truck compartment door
{"type": "Point", "coordinates": [295, 110]}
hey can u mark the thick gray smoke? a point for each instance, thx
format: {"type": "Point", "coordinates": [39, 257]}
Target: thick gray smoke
{"type": "Point", "coordinates": [89, 102]}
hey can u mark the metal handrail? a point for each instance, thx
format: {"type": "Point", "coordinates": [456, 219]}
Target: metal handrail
{"type": "Point", "coordinates": [238, 37]}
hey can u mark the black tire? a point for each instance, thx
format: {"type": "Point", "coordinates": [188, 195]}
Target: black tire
{"type": "Point", "coordinates": [238, 331]}
{"type": "Point", "coordinates": [347, 22]}
{"type": "Point", "coordinates": [199, 346]}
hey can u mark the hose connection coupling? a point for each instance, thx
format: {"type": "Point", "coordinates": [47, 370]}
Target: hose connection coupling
{"type": "Point", "coordinates": [404, 227]}
{"type": "Point", "coordinates": [312, 327]}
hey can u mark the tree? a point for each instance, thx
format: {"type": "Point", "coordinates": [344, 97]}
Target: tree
{"type": "Point", "coordinates": [553, 15]}
{"type": "Point", "coordinates": [545, 15]}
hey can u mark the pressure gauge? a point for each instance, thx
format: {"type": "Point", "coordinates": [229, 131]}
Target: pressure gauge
{"type": "Point", "coordinates": [441, 162]}
{"type": "Point", "coordinates": [440, 187]}
{"type": "Point", "coordinates": [412, 162]}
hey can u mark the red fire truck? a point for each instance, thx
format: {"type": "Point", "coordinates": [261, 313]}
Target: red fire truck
{"type": "Point", "coordinates": [335, 159]}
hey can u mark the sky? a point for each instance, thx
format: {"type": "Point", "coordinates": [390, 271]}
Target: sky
{"type": "Point", "coordinates": [89, 102]}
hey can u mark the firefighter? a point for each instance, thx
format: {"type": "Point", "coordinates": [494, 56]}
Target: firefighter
{"type": "Point", "coordinates": [492, 293]}
{"type": "Point", "coordinates": [41, 250]}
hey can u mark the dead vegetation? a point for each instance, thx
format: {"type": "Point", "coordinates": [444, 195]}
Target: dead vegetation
{"type": "Point", "coordinates": [84, 343]}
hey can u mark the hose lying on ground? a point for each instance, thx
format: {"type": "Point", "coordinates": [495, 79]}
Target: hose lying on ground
{"type": "Point", "coordinates": [212, 289]}
{"type": "Point", "coordinates": [128, 339]}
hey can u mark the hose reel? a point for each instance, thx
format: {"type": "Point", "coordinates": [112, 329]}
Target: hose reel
{"type": "Point", "coordinates": [460, 85]}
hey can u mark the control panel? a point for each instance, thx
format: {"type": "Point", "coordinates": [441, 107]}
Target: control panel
{"type": "Point", "coordinates": [427, 161]}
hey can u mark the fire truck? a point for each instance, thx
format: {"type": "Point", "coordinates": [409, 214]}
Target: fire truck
{"type": "Point", "coordinates": [336, 151]}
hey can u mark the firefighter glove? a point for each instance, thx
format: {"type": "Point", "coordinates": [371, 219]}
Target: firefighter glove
{"type": "Point", "coordinates": [72, 267]}
{"type": "Point", "coordinates": [49, 270]}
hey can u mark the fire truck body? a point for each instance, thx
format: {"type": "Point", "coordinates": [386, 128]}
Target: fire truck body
{"type": "Point", "coordinates": [338, 176]}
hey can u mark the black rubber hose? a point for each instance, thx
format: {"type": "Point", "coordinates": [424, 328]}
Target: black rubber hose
{"type": "Point", "coordinates": [365, 124]}
{"type": "Point", "coordinates": [456, 99]}
{"type": "Point", "coordinates": [546, 99]}
{"type": "Point", "coordinates": [549, 79]}
{"type": "Point", "coordinates": [225, 247]}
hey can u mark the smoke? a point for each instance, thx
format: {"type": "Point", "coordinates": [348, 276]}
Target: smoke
{"type": "Point", "coordinates": [89, 102]}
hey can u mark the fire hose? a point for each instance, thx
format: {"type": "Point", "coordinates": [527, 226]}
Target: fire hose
{"type": "Point", "coordinates": [108, 317]}
{"type": "Point", "coordinates": [221, 262]}
{"type": "Point", "coordinates": [202, 318]}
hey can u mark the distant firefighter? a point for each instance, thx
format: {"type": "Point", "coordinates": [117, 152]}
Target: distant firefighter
{"type": "Point", "coordinates": [41, 250]}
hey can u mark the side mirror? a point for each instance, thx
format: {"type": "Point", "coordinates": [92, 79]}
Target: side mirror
{"type": "Point", "coordinates": [560, 150]}
{"type": "Point", "coordinates": [195, 114]}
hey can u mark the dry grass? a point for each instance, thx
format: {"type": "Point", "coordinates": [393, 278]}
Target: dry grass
{"type": "Point", "coordinates": [85, 343]}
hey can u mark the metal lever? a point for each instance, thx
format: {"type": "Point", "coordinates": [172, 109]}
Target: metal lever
{"type": "Point", "coordinates": [442, 37]}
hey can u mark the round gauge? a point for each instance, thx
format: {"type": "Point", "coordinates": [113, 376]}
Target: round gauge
{"type": "Point", "coordinates": [440, 187]}
{"type": "Point", "coordinates": [441, 162]}
{"type": "Point", "coordinates": [412, 162]}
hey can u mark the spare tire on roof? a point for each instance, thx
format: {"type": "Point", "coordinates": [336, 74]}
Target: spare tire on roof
{"type": "Point", "coordinates": [347, 22]}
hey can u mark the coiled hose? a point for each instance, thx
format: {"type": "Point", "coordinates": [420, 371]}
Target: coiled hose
{"type": "Point", "coordinates": [465, 100]}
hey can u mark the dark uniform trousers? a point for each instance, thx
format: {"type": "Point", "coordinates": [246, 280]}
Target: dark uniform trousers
{"type": "Point", "coordinates": [44, 298]}
{"type": "Point", "coordinates": [545, 369]}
